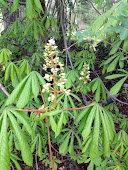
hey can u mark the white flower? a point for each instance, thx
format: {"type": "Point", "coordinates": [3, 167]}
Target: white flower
{"type": "Point", "coordinates": [67, 92]}
{"type": "Point", "coordinates": [82, 73]}
{"type": "Point", "coordinates": [60, 84]}
{"type": "Point", "coordinates": [43, 90]}
{"type": "Point", "coordinates": [87, 76]}
{"type": "Point", "coordinates": [47, 86]}
{"type": "Point", "coordinates": [51, 98]}
{"type": "Point", "coordinates": [61, 87]}
{"type": "Point", "coordinates": [56, 59]}
{"type": "Point", "coordinates": [51, 41]}
{"type": "Point", "coordinates": [45, 54]}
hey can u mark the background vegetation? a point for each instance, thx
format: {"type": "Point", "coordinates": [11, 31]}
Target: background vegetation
{"type": "Point", "coordinates": [64, 84]}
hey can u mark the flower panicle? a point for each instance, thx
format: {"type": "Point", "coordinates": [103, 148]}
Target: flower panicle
{"type": "Point", "coordinates": [85, 73]}
{"type": "Point", "coordinates": [57, 71]}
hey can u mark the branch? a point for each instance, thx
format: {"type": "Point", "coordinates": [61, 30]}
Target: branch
{"type": "Point", "coordinates": [111, 96]}
{"type": "Point", "coordinates": [4, 90]}
{"type": "Point", "coordinates": [93, 6]}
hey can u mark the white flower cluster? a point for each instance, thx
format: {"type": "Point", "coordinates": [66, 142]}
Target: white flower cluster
{"type": "Point", "coordinates": [50, 50]}
{"type": "Point", "coordinates": [85, 73]}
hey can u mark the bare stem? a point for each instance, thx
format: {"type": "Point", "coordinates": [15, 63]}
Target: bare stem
{"type": "Point", "coordinates": [49, 141]}
{"type": "Point", "coordinates": [4, 90]}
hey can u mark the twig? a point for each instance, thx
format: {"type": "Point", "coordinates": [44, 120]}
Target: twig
{"type": "Point", "coordinates": [12, 166]}
{"type": "Point", "coordinates": [79, 107]}
{"type": "Point", "coordinates": [4, 90]}
{"type": "Point", "coordinates": [36, 158]}
{"type": "Point", "coordinates": [93, 6]}
{"type": "Point", "coordinates": [112, 97]}
{"type": "Point", "coordinates": [65, 42]}
{"type": "Point", "coordinates": [68, 112]}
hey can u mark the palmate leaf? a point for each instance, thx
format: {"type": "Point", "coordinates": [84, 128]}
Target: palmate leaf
{"type": "Point", "coordinates": [5, 55]}
{"type": "Point", "coordinates": [26, 89]}
{"type": "Point", "coordinates": [97, 85]}
{"type": "Point", "coordinates": [4, 147]}
{"type": "Point", "coordinates": [90, 133]}
{"type": "Point", "coordinates": [24, 119]}
{"type": "Point", "coordinates": [24, 67]}
{"type": "Point", "coordinates": [25, 150]}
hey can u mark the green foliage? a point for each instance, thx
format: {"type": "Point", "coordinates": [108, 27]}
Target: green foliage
{"type": "Point", "coordinates": [5, 55]}
{"type": "Point", "coordinates": [26, 88]}
{"type": "Point", "coordinates": [86, 133]}
{"type": "Point", "coordinates": [97, 86]}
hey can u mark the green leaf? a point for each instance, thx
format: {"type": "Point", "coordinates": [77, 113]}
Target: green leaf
{"type": "Point", "coordinates": [25, 94]}
{"type": "Point", "coordinates": [59, 126]}
{"type": "Point", "coordinates": [73, 106]}
{"type": "Point", "coordinates": [114, 49]}
{"type": "Point", "coordinates": [103, 92]}
{"type": "Point", "coordinates": [4, 4]}
{"type": "Point", "coordinates": [27, 28]}
{"type": "Point", "coordinates": [64, 146]}
{"type": "Point", "coordinates": [4, 147]}
{"type": "Point", "coordinates": [81, 114]}
{"type": "Point", "coordinates": [24, 90]}
{"type": "Point", "coordinates": [38, 4]}
{"type": "Point", "coordinates": [76, 97]}
{"type": "Point", "coordinates": [33, 145]}
{"type": "Point", "coordinates": [53, 113]}
{"type": "Point", "coordinates": [47, 25]}
{"type": "Point", "coordinates": [112, 66]}
{"type": "Point", "coordinates": [111, 58]}
{"type": "Point", "coordinates": [7, 71]}
{"type": "Point", "coordinates": [14, 6]}
{"type": "Point", "coordinates": [35, 31]}
{"type": "Point", "coordinates": [40, 78]}
{"type": "Point", "coordinates": [114, 76]}
{"type": "Point", "coordinates": [124, 34]}
{"type": "Point", "coordinates": [39, 152]}
{"type": "Point", "coordinates": [97, 94]}
{"type": "Point", "coordinates": [125, 45]}
{"type": "Point", "coordinates": [95, 85]}
{"type": "Point", "coordinates": [25, 150]}
{"type": "Point", "coordinates": [16, 163]}
{"type": "Point", "coordinates": [29, 9]}
{"type": "Point", "coordinates": [53, 124]}
{"type": "Point", "coordinates": [84, 149]}
{"type": "Point", "coordinates": [35, 86]}
{"type": "Point", "coordinates": [16, 92]}
{"type": "Point", "coordinates": [71, 145]}
{"type": "Point", "coordinates": [115, 89]}
{"type": "Point", "coordinates": [106, 145]}
{"type": "Point", "coordinates": [87, 128]}
{"type": "Point", "coordinates": [23, 118]}
{"type": "Point", "coordinates": [91, 166]}
{"type": "Point", "coordinates": [95, 137]}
